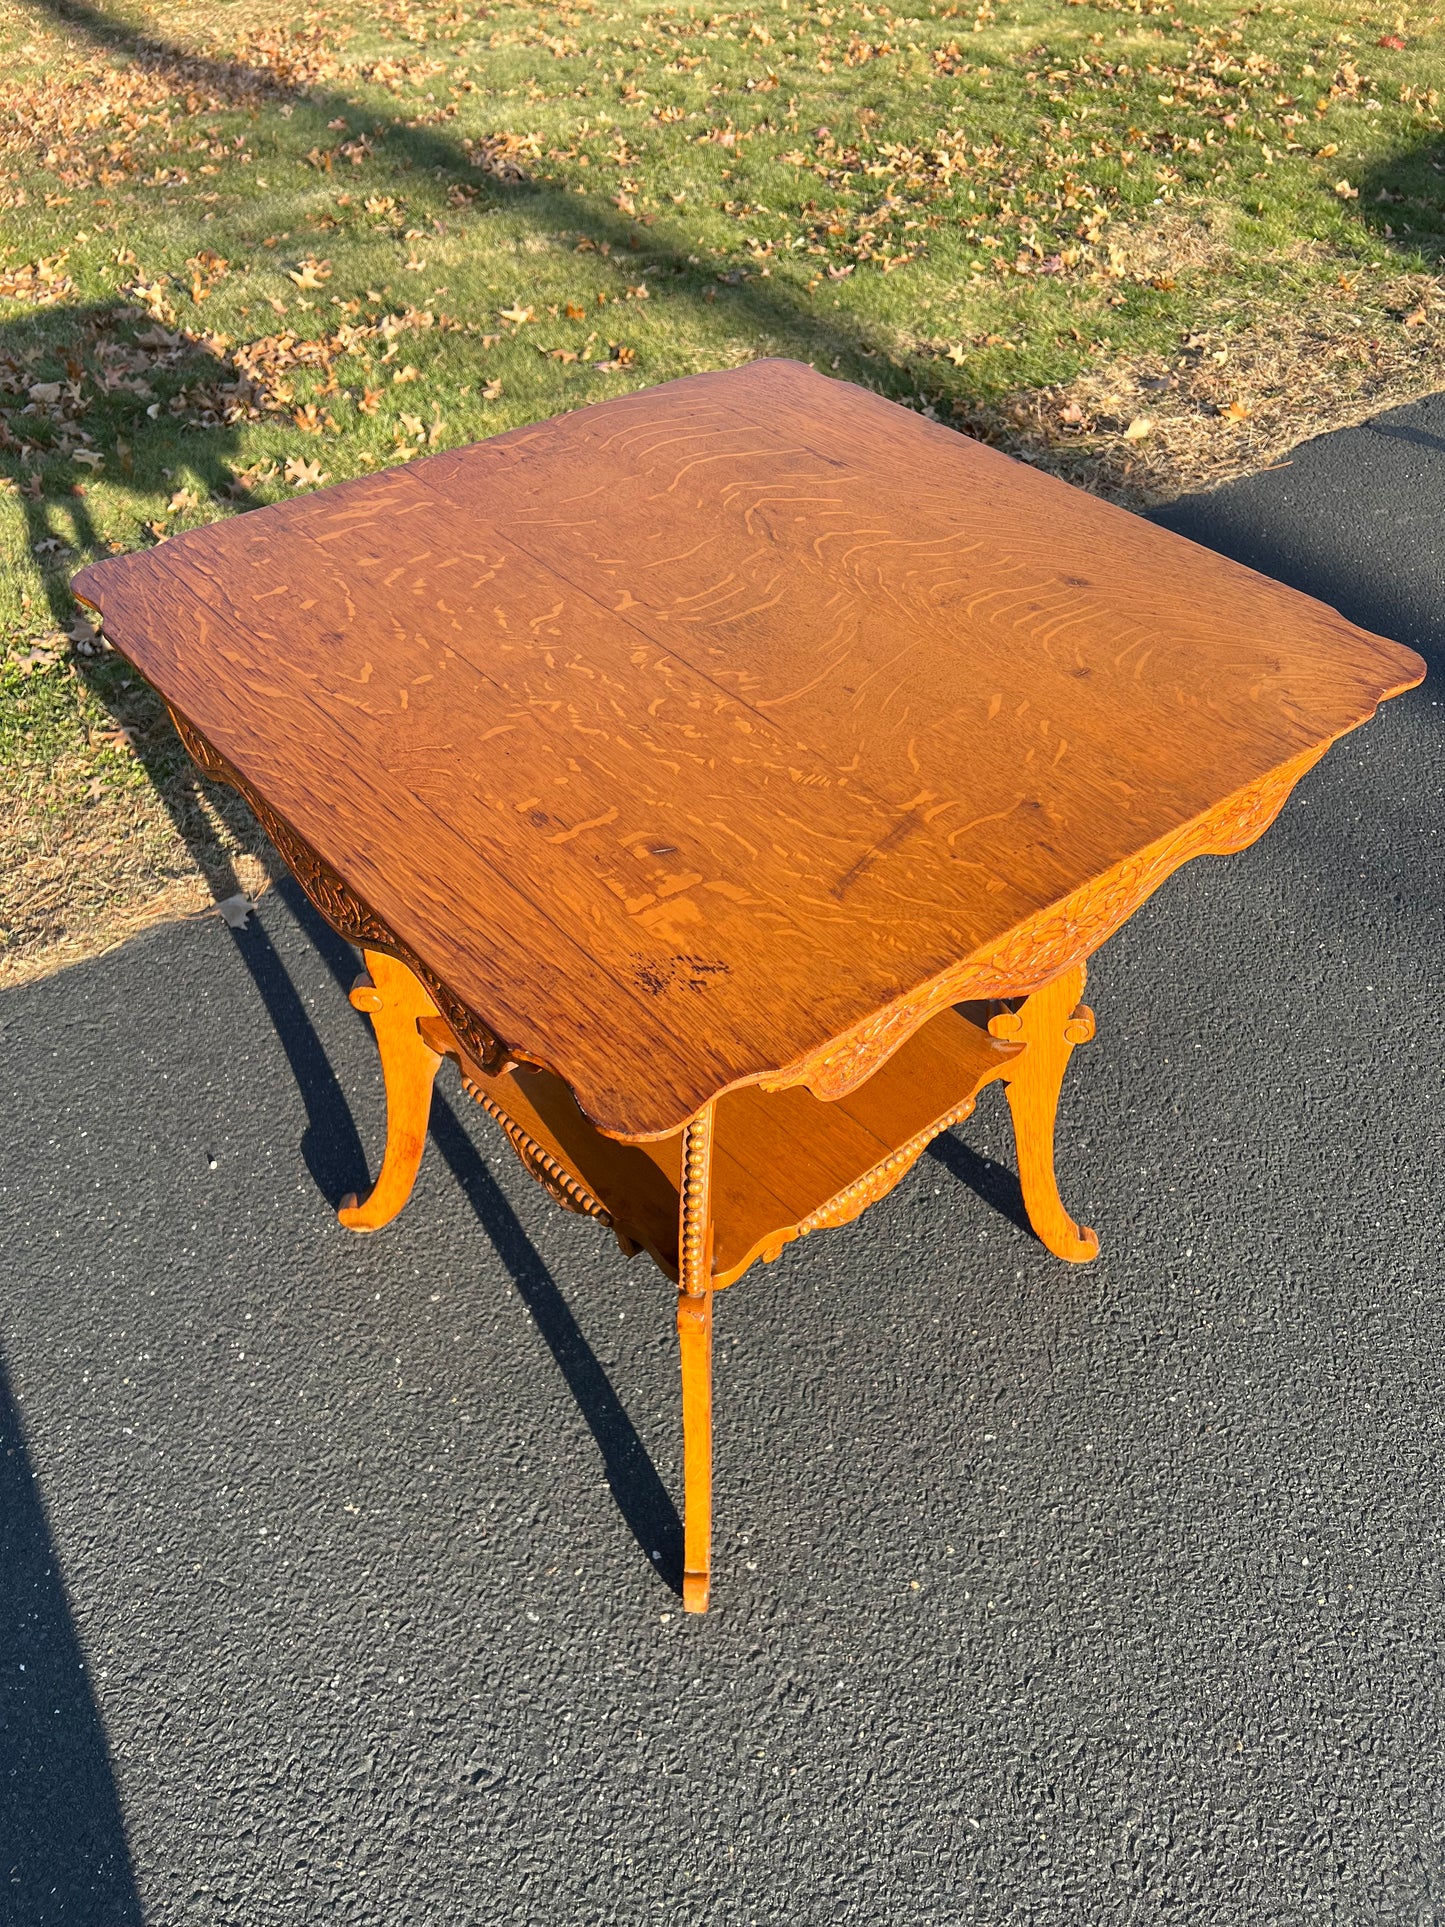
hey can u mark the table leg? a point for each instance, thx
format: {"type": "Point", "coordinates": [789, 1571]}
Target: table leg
{"type": "Point", "coordinates": [1049, 1024]}
{"type": "Point", "coordinates": [694, 1335]}
{"type": "Point", "coordinates": [395, 998]}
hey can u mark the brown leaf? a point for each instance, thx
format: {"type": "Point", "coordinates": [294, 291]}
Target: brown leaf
{"type": "Point", "coordinates": [303, 474]}
{"type": "Point", "coordinates": [310, 273]}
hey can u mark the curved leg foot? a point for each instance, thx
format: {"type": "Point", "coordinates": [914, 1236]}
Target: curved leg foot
{"type": "Point", "coordinates": [394, 998]}
{"type": "Point", "coordinates": [1049, 1024]}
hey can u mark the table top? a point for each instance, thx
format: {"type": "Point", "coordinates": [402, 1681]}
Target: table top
{"type": "Point", "coordinates": [721, 732]}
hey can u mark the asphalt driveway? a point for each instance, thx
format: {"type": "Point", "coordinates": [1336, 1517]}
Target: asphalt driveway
{"type": "Point", "coordinates": [336, 1575]}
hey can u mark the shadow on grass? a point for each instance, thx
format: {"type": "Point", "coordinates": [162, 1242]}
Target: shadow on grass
{"type": "Point", "coordinates": [60, 530]}
{"type": "Point", "coordinates": [64, 1856]}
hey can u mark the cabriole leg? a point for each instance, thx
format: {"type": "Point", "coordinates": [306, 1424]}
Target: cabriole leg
{"type": "Point", "coordinates": [394, 998]}
{"type": "Point", "coordinates": [1049, 1024]}
{"type": "Point", "coordinates": [694, 1334]}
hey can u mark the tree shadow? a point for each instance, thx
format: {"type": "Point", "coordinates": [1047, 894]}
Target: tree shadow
{"type": "Point", "coordinates": [467, 181]}
{"type": "Point", "coordinates": [129, 363]}
{"type": "Point", "coordinates": [63, 1851]}
{"type": "Point", "coordinates": [1402, 201]}
{"type": "Point", "coordinates": [337, 1161]}
{"type": "Point", "coordinates": [116, 344]}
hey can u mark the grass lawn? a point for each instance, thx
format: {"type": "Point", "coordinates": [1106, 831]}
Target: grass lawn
{"type": "Point", "coordinates": [246, 250]}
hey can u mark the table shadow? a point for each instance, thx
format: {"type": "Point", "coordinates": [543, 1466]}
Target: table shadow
{"type": "Point", "coordinates": [331, 1144]}
{"type": "Point", "coordinates": [63, 1851]}
{"type": "Point", "coordinates": [337, 1162]}
{"type": "Point", "coordinates": [995, 1184]}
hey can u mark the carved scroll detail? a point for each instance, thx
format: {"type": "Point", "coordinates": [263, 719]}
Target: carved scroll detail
{"type": "Point", "coordinates": [347, 913]}
{"type": "Point", "coordinates": [1050, 942]}
{"type": "Point", "coordinates": [553, 1176]}
{"type": "Point", "coordinates": [694, 1258]}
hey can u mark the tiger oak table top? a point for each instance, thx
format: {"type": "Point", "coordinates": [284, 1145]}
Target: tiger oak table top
{"type": "Point", "coordinates": [723, 732]}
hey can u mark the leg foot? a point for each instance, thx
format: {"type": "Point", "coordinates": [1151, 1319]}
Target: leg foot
{"type": "Point", "coordinates": [1049, 1024]}
{"type": "Point", "coordinates": [394, 998]}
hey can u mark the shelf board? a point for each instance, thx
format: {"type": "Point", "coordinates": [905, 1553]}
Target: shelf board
{"type": "Point", "coordinates": [784, 1162]}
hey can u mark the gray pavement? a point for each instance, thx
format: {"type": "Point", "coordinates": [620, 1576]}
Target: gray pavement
{"type": "Point", "coordinates": [336, 1575]}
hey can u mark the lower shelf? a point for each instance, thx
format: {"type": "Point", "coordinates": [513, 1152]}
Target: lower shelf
{"type": "Point", "coordinates": [784, 1162]}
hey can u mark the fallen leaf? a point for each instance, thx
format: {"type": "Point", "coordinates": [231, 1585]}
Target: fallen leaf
{"type": "Point", "coordinates": [574, 313]}
{"type": "Point", "coordinates": [370, 399]}
{"type": "Point", "coordinates": [1346, 192]}
{"type": "Point", "coordinates": [491, 391]}
{"type": "Point", "coordinates": [1236, 411]}
{"type": "Point", "coordinates": [516, 314]}
{"type": "Point", "coordinates": [1138, 429]}
{"type": "Point", "coordinates": [89, 457]}
{"type": "Point", "coordinates": [1391, 40]}
{"type": "Point", "coordinates": [310, 273]}
{"type": "Point", "coordinates": [957, 354]}
{"type": "Point", "coordinates": [1416, 318]}
{"type": "Point", "coordinates": [235, 910]}
{"type": "Point", "coordinates": [44, 391]}
{"type": "Point", "coordinates": [1072, 414]}
{"type": "Point", "coordinates": [407, 374]}
{"type": "Point", "coordinates": [117, 738]}
{"type": "Point", "coordinates": [38, 656]}
{"type": "Point", "coordinates": [303, 474]}
{"type": "Point", "coordinates": [185, 501]}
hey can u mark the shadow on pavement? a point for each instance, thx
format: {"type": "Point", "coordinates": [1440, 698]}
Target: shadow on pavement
{"type": "Point", "coordinates": [330, 1144]}
{"type": "Point", "coordinates": [995, 1184]}
{"type": "Point", "coordinates": [63, 1853]}
{"type": "Point", "coordinates": [1353, 519]}
{"type": "Point", "coordinates": [336, 1160]}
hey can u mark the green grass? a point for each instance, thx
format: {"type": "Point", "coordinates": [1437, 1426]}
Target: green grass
{"type": "Point", "coordinates": [242, 250]}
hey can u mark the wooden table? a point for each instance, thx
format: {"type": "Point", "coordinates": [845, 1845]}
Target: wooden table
{"type": "Point", "coordinates": [733, 778]}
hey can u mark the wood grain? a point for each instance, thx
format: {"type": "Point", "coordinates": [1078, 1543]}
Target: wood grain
{"type": "Point", "coordinates": [726, 731]}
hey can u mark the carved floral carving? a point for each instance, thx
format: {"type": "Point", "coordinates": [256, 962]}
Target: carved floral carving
{"type": "Point", "coordinates": [1050, 942]}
